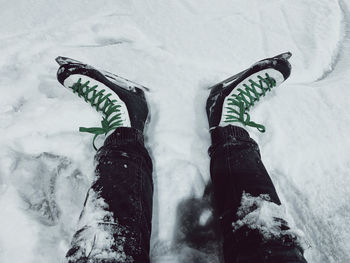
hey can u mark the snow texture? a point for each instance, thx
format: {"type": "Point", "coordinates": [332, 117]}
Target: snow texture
{"type": "Point", "coordinates": [177, 49]}
{"type": "Point", "coordinates": [265, 216]}
{"type": "Point", "coordinates": [99, 236]}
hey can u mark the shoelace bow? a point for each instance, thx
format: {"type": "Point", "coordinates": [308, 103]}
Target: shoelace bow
{"type": "Point", "coordinates": [246, 98]}
{"type": "Point", "coordinates": [102, 103]}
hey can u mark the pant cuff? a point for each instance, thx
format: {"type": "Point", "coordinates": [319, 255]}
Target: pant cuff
{"type": "Point", "coordinates": [228, 133]}
{"type": "Point", "coordinates": [124, 135]}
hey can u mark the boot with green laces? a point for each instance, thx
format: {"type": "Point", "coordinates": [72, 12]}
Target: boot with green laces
{"type": "Point", "coordinates": [121, 102]}
{"type": "Point", "coordinates": [229, 101]}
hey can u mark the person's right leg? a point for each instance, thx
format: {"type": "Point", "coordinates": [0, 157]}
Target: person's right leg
{"type": "Point", "coordinates": [240, 185]}
{"type": "Point", "coordinates": [245, 198]}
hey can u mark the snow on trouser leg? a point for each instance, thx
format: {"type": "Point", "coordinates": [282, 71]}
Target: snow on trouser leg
{"type": "Point", "coordinates": [115, 224]}
{"type": "Point", "coordinates": [245, 198]}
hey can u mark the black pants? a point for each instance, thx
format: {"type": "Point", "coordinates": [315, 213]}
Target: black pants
{"type": "Point", "coordinates": [236, 168]}
{"type": "Point", "coordinates": [122, 195]}
{"type": "Point", "coordinates": [124, 190]}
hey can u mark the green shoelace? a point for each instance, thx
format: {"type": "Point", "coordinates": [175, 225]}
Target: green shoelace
{"type": "Point", "coordinates": [103, 104]}
{"type": "Point", "coordinates": [246, 98]}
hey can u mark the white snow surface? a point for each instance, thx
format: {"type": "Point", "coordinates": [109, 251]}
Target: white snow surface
{"type": "Point", "coordinates": [262, 214]}
{"type": "Point", "coordinates": [178, 49]}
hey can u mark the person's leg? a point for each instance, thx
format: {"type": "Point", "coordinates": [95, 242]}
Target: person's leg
{"type": "Point", "coordinates": [242, 187]}
{"type": "Point", "coordinates": [236, 168]}
{"type": "Point", "coordinates": [115, 224]}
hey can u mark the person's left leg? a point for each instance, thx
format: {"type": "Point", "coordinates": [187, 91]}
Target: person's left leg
{"type": "Point", "coordinates": [115, 224]}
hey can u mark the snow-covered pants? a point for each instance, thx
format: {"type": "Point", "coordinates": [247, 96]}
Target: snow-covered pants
{"type": "Point", "coordinates": [236, 168]}
{"type": "Point", "coordinates": [115, 224]}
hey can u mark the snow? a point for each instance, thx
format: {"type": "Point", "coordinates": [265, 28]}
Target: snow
{"type": "Point", "coordinates": [177, 49]}
{"type": "Point", "coordinates": [97, 228]}
{"type": "Point", "coordinates": [267, 217]}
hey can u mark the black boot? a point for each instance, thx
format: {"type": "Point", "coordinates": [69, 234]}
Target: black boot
{"type": "Point", "coordinates": [230, 100]}
{"type": "Point", "coordinates": [122, 103]}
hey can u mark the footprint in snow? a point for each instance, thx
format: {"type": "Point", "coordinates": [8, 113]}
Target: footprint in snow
{"type": "Point", "coordinates": [35, 178]}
